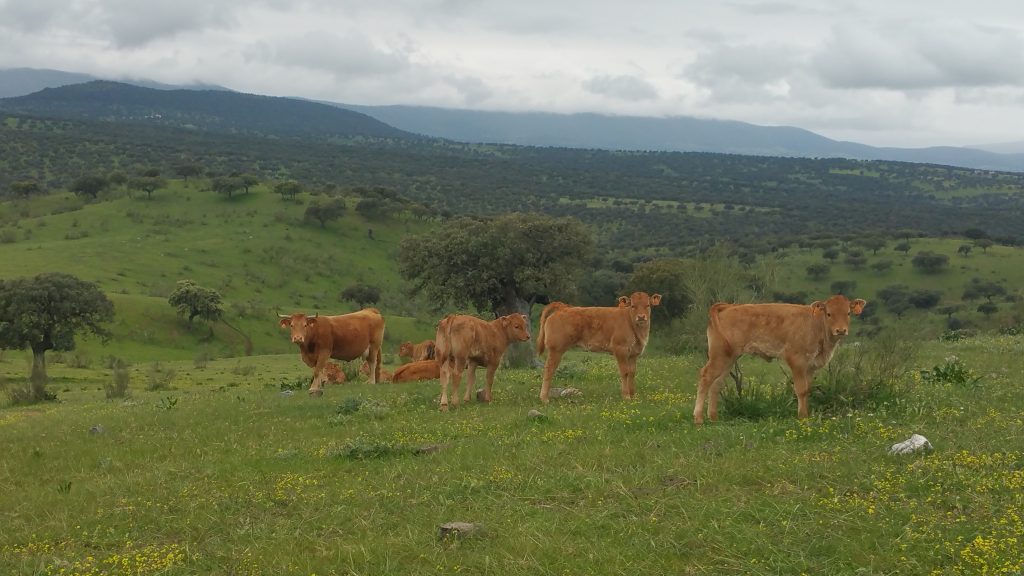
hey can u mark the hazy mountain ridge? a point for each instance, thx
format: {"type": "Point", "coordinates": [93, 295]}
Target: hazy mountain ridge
{"type": "Point", "coordinates": [24, 81]}
{"type": "Point", "coordinates": [675, 134]}
{"type": "Point", "coordinates": [214, 110]}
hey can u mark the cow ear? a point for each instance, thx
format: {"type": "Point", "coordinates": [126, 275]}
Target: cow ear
{"type": "Point", "coordinates": [623, 301]}
{"type": "Point", "coordinates": [857, 306]}
{"type": "Point", "coordinates": [817, 308]}
{"type": "Point", "coordinates": [311, 321]}
{"type": "Point", "coordinates": [656, 299]}
{"type": "Point", "coordinates": [525, 318]}
{"type": "Point", "coordinates": [286, 322]}
{"type": "Point", "coordinates": [504, 320]}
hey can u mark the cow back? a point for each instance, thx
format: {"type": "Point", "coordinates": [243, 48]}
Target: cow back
{"type": "Point", "coordinates": [598, 329]}
{"type": "Point", "coordinates": [351, 334]}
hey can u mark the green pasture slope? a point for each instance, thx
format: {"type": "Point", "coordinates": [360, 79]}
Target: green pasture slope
{"type": "Point", "coordinates": [255, 249]}
{"type": "Point", "coordinates": [224, 474]}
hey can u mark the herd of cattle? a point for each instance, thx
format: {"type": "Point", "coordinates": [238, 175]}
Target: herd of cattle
{"type": "Point", "coordinates": [804, 337]}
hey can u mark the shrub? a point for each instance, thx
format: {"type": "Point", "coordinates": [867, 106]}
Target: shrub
{"type": "Point", "coordinates": [118, 386]}
{"type": "Point", "coordinates": [953, 371]}
{"type": "Point", "coordinates": [159, 377]}
{"type": "Point", "coordinates": [79, 360]}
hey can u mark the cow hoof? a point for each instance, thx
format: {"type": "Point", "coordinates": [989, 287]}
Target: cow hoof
{"type": "Point", "coordinates": [444, 407]}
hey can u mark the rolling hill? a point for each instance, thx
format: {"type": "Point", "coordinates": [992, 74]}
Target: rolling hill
{"type": "Point", "coordinates": [208, 110]}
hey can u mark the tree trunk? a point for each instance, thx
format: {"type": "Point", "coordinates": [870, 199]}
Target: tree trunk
{"type": "Point", "coordinates": [519, 354]}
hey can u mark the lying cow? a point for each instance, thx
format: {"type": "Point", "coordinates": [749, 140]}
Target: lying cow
{"type": "Point", "coordinates": [805, 337]}
{"type": "Point", "coordinates": [333, 374]}
{"type": "Point", "coordinates": [621, 331]}
{"type": "Point", "coordinates": [383, 376]}
{"type": "Point", "coordinates": [465, 342]}
{"type": "Point", "coordinates": [416, 352]}
{"type": "Point", "coordinates": [416, 371]}
{"type": "Point", "coordinates": [344, 337]}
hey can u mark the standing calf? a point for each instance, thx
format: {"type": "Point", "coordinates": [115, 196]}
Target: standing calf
{"type": "Point", "coordinates": [465, 342]}
{"type": "Point", "coordinates": [805, 337]}
{"type": "Point", "coordinates": [621, 332]}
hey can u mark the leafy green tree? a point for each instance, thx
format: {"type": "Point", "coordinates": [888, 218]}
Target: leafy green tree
{"type": "Point", "coordinates": [26, 188]}
{"type": "Point", "coordinates": [929, 262]}
{"type": "Point", "coordinates": [372, 208]}
{"type": "Point", "coordinates": [830, 254]}
{"type": "Point", "coordinates": [984, 244]}
{"type": "Point", "coordinates": [845, 287]}
{"type": "Point", "coordinates": [874, 243]}
{"type": "Point", "coordinates": [987, 289]}
{"type": "Point", "coordinates": [964, 249]}
{"type": "Point", "coordinates": [195, 301]}
{"type": "Point", "coordinates": [248, 181]}
{"type": "Point", "coordinates": [923, 299]}
{"type": "Point", "coordinates": [90, 185]}
{"type": "Point", "coordinates": [988, 308]}
{"type": "Point", "coordinates": [324, 212]}
{"type": "Point", "coordinates": [362, 294]}
{"type": "Point", "coordinates": [226, 185]}
{"type": "Point", "coordinates": [665, 276]}
{"type": "Point", "coordinates": [504, 264]}
{"type": "Point", "coordinates": [881, 266]}
{"type": "Point", "coordinates": [903, 246]}
{"type": "Point", "coordinates": [188, 169]}
{"type": "Point", "coordinates": [147, 184]}
{"type": "Point", "coordinates": [855, 261]}
{"type": "Point", "coordinates": [117, 178]}
{"type": "Point", "coordinates": [288, 188]}
{"type": "Point", "coordinates": [46, 312]}
{"type": "Point", "coordinates": [818, 271]}
{"type": "Point", "coordinates": [896, 298]}
{"type": "Point", "coordinates": [975, 233]}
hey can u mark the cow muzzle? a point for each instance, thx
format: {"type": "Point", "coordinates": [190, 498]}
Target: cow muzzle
{"type": "Point", "coordinates": [298, 339]}
{"type": "Point", "coordinates": [840, 331]}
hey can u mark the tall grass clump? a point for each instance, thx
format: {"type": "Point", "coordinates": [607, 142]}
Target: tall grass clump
{"type": "Point", "coordinates": [117, 387]}
{"type": "Point", "coordinates": [159, 377]}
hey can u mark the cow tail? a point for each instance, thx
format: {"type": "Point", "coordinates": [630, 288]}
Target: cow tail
{"type": "Point", "coordinates": [431, 351]}
{"type": "Point", "coordinates": [548, 311]}
{"type": "Point", "coordinates": [714, 325]}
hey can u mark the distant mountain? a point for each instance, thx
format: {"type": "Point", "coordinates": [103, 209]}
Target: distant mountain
{"type": "Point", "coordinates": [679, 134]}
{"type": "Point", "coordinates": [1003, 147]}
{"type": "Point", "coordinates": [24, 81]}
{"type": "Point", "coordinates": [212, 110]}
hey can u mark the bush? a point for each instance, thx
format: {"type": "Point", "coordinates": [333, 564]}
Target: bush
{"type": "Point", "coordinates": [159, 378]}
{"type": "Point", "coordinates": [299, 383]}
{"type": "Point", "coordinates": [80, 360]}
{"type": "Point", "coordinates": [202, 358]}
{"type": "Point", "coordinates": [118, 386]}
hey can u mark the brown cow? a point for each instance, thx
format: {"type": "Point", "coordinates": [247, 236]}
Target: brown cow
{"type": "Point", "coordinates": [465, 342]}
{"type": "Point", "coordinates": [416, 352]}
{"type": "Point", "coordinates": [416, 371]}
{"type": "Point", "coordinates": [805, 337]}
{"type": "Point", "coordinates": [384, 375]}
{"type": "Point", "coordinates": [621, 331]}
{"type": "Point", "coordinates": [333, 374]}
{"type": "Point", "coordinates": [344, 337]}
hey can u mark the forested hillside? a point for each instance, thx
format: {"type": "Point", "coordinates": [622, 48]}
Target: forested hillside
{"type": "Point", "coordinates": [640, 203]}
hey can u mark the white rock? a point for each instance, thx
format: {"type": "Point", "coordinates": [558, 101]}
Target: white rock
{"type": "Point", "coordinates": [915, 443]}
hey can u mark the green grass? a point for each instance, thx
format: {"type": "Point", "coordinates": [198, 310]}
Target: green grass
{"type": "Point", "coordinates": [255, 250]}
{"type": "Point", "coordinates": [223, 474]}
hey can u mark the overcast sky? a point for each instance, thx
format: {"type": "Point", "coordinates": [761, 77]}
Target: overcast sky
{"type": "Point", "coordinates": [893, 72]}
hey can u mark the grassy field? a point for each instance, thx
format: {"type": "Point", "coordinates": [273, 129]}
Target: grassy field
{"type": "Point", "coordinates": [255, 249]}
{"type": "Point", "coordinates": [223, 474]}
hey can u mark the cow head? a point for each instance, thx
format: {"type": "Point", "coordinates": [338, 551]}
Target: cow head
{"type": "Point", "coordinates": [639, 305]}
{"type": "Point", "coordinates": [405, 349]}
{"type": "Point", "coordinates": [836, 313]}
{"type": "Point", "coordinates": [298, 323]}
{"type": "Point", "coordinates": [516, 326]}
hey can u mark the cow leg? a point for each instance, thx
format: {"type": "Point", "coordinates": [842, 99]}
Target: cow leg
{"type": "Point", "coordinates": [316, 386]}
{"type": "Point", "coordinates": [632, 378]}
{"type": "Point", "coordinates": [491, 369]}
{"type": "Point", "coordinates": [623, 376]}
{"type": "Point", "coordinates": [802, 387]}
{"type": "Point", "coordinates": [372, 363]}
{"type": "Point", "coordinates": [444, 377]}
{"type": "Point", "coordinates": [456, 379]}
{"type": "Point", "coordinates": [470, 381]}
{"type": "Point", "coordinates": [714, 371]}
{"type": "Point", "coordinates": [550, 367]}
